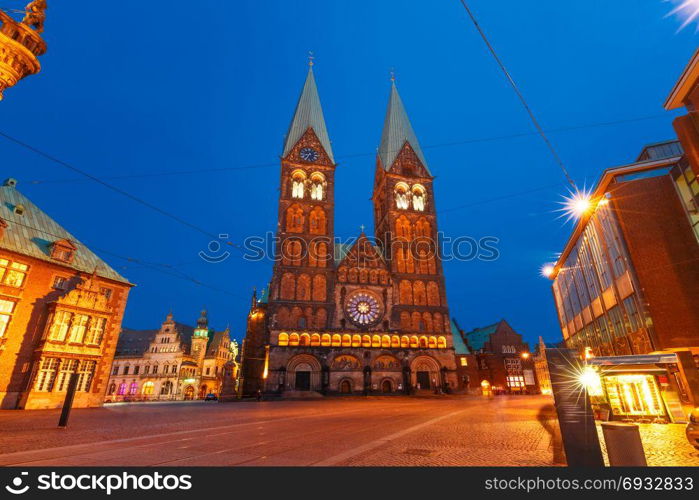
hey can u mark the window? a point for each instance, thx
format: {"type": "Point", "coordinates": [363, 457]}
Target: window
{"type": "Point", "coordinates": [96, 330]}
{"type": "Point", "coordinates": [402, 196]}
{"type": "Point", "coordinates": [47, 374]}
{"type": "Point", "coordinates": [146, 369]}
{"type": "Point", "coordinates": [317, 186]}
{"type": "Point", "coordinates": [85, 374]}
{"type": "Point", "coordinates": [107, 292]}
{"type": "Point", "coordinates": [133, 388]}
{"type": "Point", "coordinates": [419, 198]}
{"type": "Point", "coordinates": [78, 327]}
{"type": "Point", "coordinates": [63, 250]}
{"type": "Point", "coordinates": [60, 282]}
{"type": "Point", "coordinates": [6, 309]}
{"type": "Point", "coordinates": [122, 389]}
{"type": "Point", "coordinates": [60, 325]}
{"type": "Point", "coordinates": [515, 381]}
{"type": "Point", "coordinates": [126, 370]}
{"type": "Point", "coordinates": [66, 368]}
{"type": "Point", "coordinates": [115, 371]}
{"type": "Point", "coordinates": [147, 388]}
{"type": "Point", "coordinates": [136, 369]}
{"type": "Point", "coordinates": [155, 369]}
{"type": "Point", "coordinates": [12, 273]}
{"type": "Point", "coordinates": [298, 180]}
{"type": "Point", "coordinates": [464, 361]}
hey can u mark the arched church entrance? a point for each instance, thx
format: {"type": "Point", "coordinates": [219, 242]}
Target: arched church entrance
{"type": "Point", "coordinates": [345, 387]}
{"type": "Point", "coordinates": [386, 386]}
{"type": "Point", "coordinates": [303, 377]}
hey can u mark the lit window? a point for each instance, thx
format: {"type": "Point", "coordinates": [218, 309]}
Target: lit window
{"type": "Point", "coordinates": [47, 374]}
{"type": "Point", "coordinates": [147, 388]}
{"type": "Point", "coordinates": [66, 369]}
{"type": "Point", "coordinates": [6, 309]}
{"type": "Point", "coordinates": [85, 374]}
{"type": "Point", "coordinates": [402, 196]}
{"type": "Point", "coordinates": [419, 198]}
{"type": "Point", "coordinates": [133, 389]}
{"type": "Point", "coordinates": [122, 389]}
{"type": "Point", "coordinates": [12, 273]}
{"type": "Point", "coordinates": [464, 361]}
{"type": "Point", "coordinates": [78, 328]}
{"type": "Point", "coordinates": [298, 180]}
{"type": "Point", "coordinates": [60, 325]}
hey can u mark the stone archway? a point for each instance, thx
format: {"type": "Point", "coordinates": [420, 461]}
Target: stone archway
{"type": "Point", "coordinates": [345, 386]}
{"type": "Point", "coordinates": [425, 373]}
{"type": "Point", "coordinates": [303, 373]}
{"type": "Point", "coordinates": [386, 386]}
{"type": "Point", "coordinates": [188, 393]}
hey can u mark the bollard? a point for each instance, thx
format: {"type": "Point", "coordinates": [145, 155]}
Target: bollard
{"type": "Point", "coordinates": [624, 446]}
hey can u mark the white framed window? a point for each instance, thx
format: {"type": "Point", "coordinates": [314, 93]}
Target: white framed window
{"type": "Point", "coordinates": [46, 375]}
{"type": "Point", "coordinates": [12, 273]}
{"type": "Point", "coordinates": [78, 328]}
{"type": "Point", "coordinates": [60, 325]}
{"type": "Point", "coordinates": [95, 331]}
{"type": "Point", "coordinates": [7, 307]}
{"type": "Point", "coordinates": [66, 368]}
{"type": "Point", "coordinates": [85, 374]}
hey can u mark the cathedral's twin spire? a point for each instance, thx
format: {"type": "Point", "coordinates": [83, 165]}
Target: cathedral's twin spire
{"type": "Point", "coordinates": [308, 114]}
{"type": "Point", "coordinates": [397, 129]}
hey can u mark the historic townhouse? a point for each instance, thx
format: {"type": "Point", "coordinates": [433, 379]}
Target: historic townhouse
{"type": "Point", "coordinates": [176, 362]}
{"type": "Point", "coordinates": [60, 310]}
{"type": "Point", "coordinates": [370, 316]}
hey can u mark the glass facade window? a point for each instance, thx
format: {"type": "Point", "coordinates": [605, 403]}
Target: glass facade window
{"type": "Point", "coordinates": [590, 309]}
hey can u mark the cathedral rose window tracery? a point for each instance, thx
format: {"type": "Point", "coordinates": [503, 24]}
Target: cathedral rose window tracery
{"type": "Point", "coordinates": [363, 308]}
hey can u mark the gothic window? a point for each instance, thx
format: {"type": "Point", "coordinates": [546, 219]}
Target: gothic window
{"type": "Point", "coordinates": [432, 294]}
{"type": "Point", "coordinates": [288, 286]}
{"type": "Point", "coordinates": [362, 275]}
{"type": "Point", "coordinates": [298, 179]}
{"type": "Point", "coordinates": [308, 317]}
{"type": "Point", "coordinates": [419, 197]}
{"type": "Point", "coordinates": [374, 276]}
{"type": "Point", "coordinates": [294, 219]}
{"type": "Point", "coordinates": [319, 288]}
{"type": "Point", "coordinates": [315, 339]}
{"type": "Point", "coordinates": [405, 320]}
{"type": "Point", "coordinates": [356, 340]}
{"type": "Point", "coordinates": [336, 340]}
{"type": "Point", "coordinates": [405, 342]}
{"type": "Point", "coordinates": [402, 196]}
{"type": "Point", "coordinates": [406, 292]}
{"type": "Point", "coordinates": [419, 298]}
{"type": "Point", "coordinates": [294, 339]}
{"type": "Point", "coordinates": [305, 339]}
{"type": "Point", "coordinates": [416, 320]}
{"type": "Point", "coordinates": [321, 318]}
{"type": "Point", "coordinates": [423, 228]}
{"type": "Point", "coordinates": [303, 287]}
{"type": "Point", "coordinates": [291, 253]}
{"type": "Point", "coordinates": [318, 256]}
{"type": "Point", "coordinates": [384, 278]}
{"type": "Point", "coordinates": [427, 320]}
{"type": "Point", "coordinates": [423, 342]}
{"type": "Point", "coordinates": [403, 227]}
{"type": "Point", "coordinates": [366, 341]}
{"type": "Point", "coordinates": [414, 342]}
{"type": "Point", "coordinates": [325, 340]}
{"type": "Point", "coordinates": [438, 322]}
{"type": "Point", "coordinates": [442, 342]}
{"type": "Point", "coordinates": [409, 261]}
{"type": "Point", "coordinates": [317, 186]}
{"type": "Point", "coordinates": [347, 340]}
{"type": "Point", "coordinates": [400, 260]}
{"type": "Point", "coordinates": [317, 221]}
{"type": "Point", "coordinates": [353, 275]}
{"type": "Point", "coordinates": [423, 262]}
{"type": "Point", "coordinates": [283, 317]}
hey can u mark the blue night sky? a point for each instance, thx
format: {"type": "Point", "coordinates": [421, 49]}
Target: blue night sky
{"type": "Point", "coordinates": [134, 88]}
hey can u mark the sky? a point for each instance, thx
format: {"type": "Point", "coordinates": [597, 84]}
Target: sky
{"type": "Point", "coordinates": [131, 91]}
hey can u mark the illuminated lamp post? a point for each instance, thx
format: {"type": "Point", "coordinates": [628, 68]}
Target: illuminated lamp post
{"type": "Point", "coordinates": [21, 44]}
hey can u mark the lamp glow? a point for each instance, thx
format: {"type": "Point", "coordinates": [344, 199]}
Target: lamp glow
{"type": "Point", "coordinates": [547, 270]}
{"type": "Point", "coordinates": [687, 9]}
{"type": "Point", "coordinates": [577, 204]}
{"type": "Point", "coordinates": [590, 379]}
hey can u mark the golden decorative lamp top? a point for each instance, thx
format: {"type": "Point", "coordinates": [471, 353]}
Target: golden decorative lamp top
{"type": "Point", "coordinates": [21, 44]}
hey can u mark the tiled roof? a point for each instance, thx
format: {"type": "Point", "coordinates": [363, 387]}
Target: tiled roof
{"type": "Point", "coordinates": [33, 232]}
{"type": "Point", "coordinates": [479, 336]}
{"type": "Point", "coordinates": [135, 342]}
{"type": "Point", "coordinates": [396, 131]}
{"type": "Point", "coordinates": [341, 251]}
{"type": "Point", "coordinates": [460, 346]}
{"type": "Point", "coordinates": [308, 114]}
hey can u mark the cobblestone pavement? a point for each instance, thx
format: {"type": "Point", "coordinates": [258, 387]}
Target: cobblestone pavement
{"type": "Point", "coordinates": [455, 430]}
{"type": "Point", "coordinates": [664, 445]}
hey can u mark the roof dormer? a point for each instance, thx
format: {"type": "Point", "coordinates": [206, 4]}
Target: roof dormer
{"type": "Point", "coordinates": [63, 250]}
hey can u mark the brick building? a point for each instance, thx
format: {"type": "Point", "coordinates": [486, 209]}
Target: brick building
{"type": "Point", "coordinates": [499, 361]}
{"type": "Point", "coordinates": [366, 316]}
{"type": "Point", "coordinates": [175, 362]}
{"type": "Point", "coordinates": [61, 308]}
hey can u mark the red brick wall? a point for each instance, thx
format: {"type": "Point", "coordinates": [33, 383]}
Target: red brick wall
{"type": "Point", "coordinates": [28, 323]}
{"type": "Point", "coordinates": [665, 255]}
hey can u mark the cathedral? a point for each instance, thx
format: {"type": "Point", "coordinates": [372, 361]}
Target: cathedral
{"type": "Point", "coordinates": [368, 317]}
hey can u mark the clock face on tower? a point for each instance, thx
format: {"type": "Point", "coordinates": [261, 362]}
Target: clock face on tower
{"type": "Point", "coordinates": [308, 154]}
{"type": "Point", "coordinates": [363, 308]}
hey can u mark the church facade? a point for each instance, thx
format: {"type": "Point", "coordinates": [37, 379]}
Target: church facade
{"type": "Point", "coordinates": [366, 317]}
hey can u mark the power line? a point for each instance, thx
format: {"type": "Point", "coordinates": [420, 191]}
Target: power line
{"type": "Point", "coordinates": [538, 127]}
{"type": "Point", "coordinates": [116, 189]}
{"type": "Point", "coordinates": [351, 155]}
{"type": "Point", "coordinates": [156, 266]}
